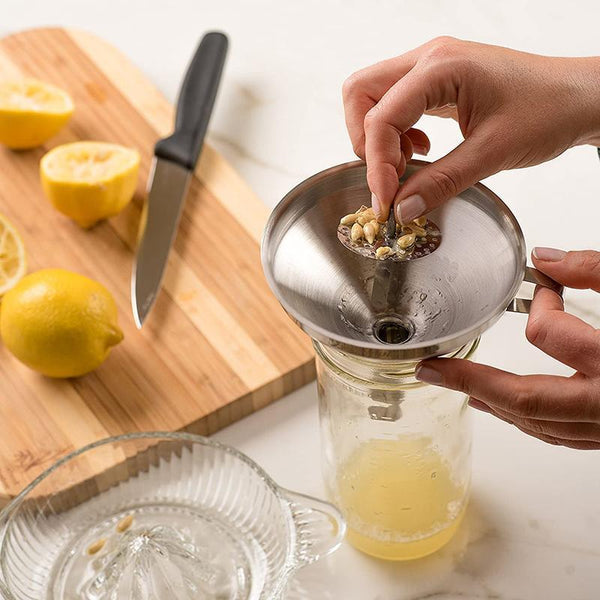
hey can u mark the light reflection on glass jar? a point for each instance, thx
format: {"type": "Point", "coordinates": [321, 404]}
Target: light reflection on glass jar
{"type": "Point", "coordinates": [396, 453]}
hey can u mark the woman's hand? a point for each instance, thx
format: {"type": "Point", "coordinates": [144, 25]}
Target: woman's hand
{"type": "Point", "coordinates": [514, 110]}
{"type": "Point", "coordinates": [558, 410]}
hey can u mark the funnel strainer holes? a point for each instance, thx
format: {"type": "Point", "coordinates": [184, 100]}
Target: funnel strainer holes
{"type": "Point", "coordinates": [392, 330]}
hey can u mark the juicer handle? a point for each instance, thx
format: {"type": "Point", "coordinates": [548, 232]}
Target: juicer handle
{"type": "Point", "coordinates": [320, 527]}
{"type": "Point", "coordinates": [523, 305]}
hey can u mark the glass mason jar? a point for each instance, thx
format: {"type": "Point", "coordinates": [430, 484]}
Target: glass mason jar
{"type": "Point", "coordinates": [396, 452]}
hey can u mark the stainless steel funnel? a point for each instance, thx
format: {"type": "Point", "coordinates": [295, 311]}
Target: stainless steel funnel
{"type": "Point", "coordinates": [431, 305]}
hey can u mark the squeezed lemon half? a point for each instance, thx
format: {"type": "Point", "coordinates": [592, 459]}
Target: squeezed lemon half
{"type": "Point", "coordinates": [31, 112]}
{"type": "Point", "coordinates": [90, 181]}
{"type": "Point", "coordinates": [13, 263]}
{"type": "Point", "coordinates": [59, 323]}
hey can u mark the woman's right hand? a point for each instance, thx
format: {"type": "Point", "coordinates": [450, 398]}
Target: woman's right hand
{"type": "Point", "coordinates": [514, 110]}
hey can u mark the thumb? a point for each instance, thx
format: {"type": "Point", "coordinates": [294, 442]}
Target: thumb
{"type": "Point", "coordinates": [575, 269]}
{"type": "Point", "coordinates": [436, 183]}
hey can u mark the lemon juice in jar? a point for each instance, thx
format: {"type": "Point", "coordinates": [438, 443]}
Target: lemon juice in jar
{"type": "Point", "coordinates": [396, 453]}
{"type": "Point", "coordinates": [399, 498]}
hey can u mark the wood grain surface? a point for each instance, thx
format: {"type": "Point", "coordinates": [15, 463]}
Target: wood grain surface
{"type": "Point", "coordinates": [216, 347]}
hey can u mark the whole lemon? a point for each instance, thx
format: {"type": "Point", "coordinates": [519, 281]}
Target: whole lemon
{"type": "Point", "coordinates": [59, 323]}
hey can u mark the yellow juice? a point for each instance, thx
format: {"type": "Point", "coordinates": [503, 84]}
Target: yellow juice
{"type": "Point", "coordinates": [399, 499]}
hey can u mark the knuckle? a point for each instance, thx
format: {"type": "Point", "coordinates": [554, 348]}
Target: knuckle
{"type": "Point", "coordinates": [554, 441]}
{"type": "Point", "coordinates": [442, 46]}
{"type": "Point", "coordinates": [446, 54]}
{"type": "Point", "coordinates": [538, 428]}
{"type": "Point", "coordinates": [522, 402]}
{"type": "Point", "coordinates": [589, 401]}
{"type": "Point", "coordinates": [502, 418]}
{"type": "Point", "coordinates": [548, 439]}
{"type": "Point", "coordinates": [536, 332]}
{"type": "Point", "coordinates": [359, 148]}
{"type": "Point", "coordinates": [445, 183]}
{"type": "Point", "coordinates": [352, 85]}
{"type": "Point", "coordinates": [372, 118]}
{"type": "Point", "coordinates": [588, 261]}
{"type": "Point", "coordinates": [462, 381]}
{"type": "Point", "coordinates": [372, 113]}
{"type": "Point", "coordinates": [372, 173]}
{"type": "Point", "coordinates": [593, 404]}
{"type": "Point", "coordinates": [380, 174]}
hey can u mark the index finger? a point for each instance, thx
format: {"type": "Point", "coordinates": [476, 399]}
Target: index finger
{"type": "Point", "coordinates": [398, 110]}
{"type": "Point", "coordinates": [546, 397]}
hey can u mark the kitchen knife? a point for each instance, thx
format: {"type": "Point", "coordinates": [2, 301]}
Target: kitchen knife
{"type": "Point", "coordinates": [175, 158]}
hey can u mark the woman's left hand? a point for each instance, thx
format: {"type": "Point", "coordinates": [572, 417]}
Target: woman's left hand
{"type": "Point", "coordinates": [558, 410]}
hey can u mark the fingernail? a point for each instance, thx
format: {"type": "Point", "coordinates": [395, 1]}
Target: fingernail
{"type": "Point", "coordinates": [410, 208]}
{"type": "Point", "coordinates": [549, 254]}
{"type": "Point", "coordinates": [428, 375]}
{"type": "Point", "coordinates": [422, 150]}
{"type": "Point", "coordinates": [376, 206]}
{"type": "Point", "coordinates": [479, 405]}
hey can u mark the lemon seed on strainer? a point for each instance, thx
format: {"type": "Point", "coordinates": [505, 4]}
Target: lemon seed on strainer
{"type": "Point", "coordinates": [406, 240]}
{"type": "Point", "coordinates": [370, 232]}
{"type": "Point", "coordinates": [356, 233]}
{"type": "Point", "coordinates": [124, 524]}
{"type": "Point", "coordinates": [383, 251]}
{"type": "Point", "coordinates": [419, 231]}
{"type": "Point", "coordinates": [96, 546]}
{"type": "Point", "coordinates": [349, 219]}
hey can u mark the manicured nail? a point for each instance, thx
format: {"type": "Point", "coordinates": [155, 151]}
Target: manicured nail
{"type": "Point", "coordinates": [410, 208]}
{"type": "Point", "coordinates": [422, 150]}
{"type": "Point", "coordinates": [549, 254]}
{"type": "Point", "coordinates": [479, 405]}
{"type": "Point", "coordinates": [376, 206]}
{"type": "Point", "coordinates": [428, 375]}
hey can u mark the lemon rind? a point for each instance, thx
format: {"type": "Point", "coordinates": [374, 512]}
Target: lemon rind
{"type": "Point", "coordinates": [21, 253]}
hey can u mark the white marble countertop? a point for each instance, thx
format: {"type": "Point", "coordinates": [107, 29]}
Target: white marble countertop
{"type": "Point", "coordinates": [533, 528]}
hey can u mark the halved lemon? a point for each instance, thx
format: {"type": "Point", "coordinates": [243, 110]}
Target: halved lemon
{"type": "Point", "coordinates": [31, 112]}
{"type": "Point", "coordinates": [13, 263]}
{"type": "Point", "coordinates": [90, 181]}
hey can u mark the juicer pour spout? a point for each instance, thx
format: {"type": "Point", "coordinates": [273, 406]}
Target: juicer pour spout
{"type": "Point", "coordinates": [320, 527]}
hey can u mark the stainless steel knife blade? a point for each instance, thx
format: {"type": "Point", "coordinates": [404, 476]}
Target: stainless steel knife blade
{"type": "Point", "coordinates": [175, 158]}
{"type": "Point", "coordinates": [167, 189]}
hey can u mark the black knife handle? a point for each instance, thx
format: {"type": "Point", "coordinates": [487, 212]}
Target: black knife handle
{"type": "Point", "coordinates": [194, 105]}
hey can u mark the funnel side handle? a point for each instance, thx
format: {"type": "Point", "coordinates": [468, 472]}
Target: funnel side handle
{"type": "Point", "coordinates": [523, 305]}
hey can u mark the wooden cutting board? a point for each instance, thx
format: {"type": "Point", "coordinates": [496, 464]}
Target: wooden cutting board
{"type": "Point", "coordinates": [216, 347]}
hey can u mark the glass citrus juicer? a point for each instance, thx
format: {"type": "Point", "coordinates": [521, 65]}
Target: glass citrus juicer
{"type": "Point", "coordinates": [396, 452]}
{"type": "Point", "coordinates": [157, 516]}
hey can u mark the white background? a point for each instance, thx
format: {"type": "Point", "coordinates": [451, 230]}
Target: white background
{"type": "Point", "coordinates": [533, 528]}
